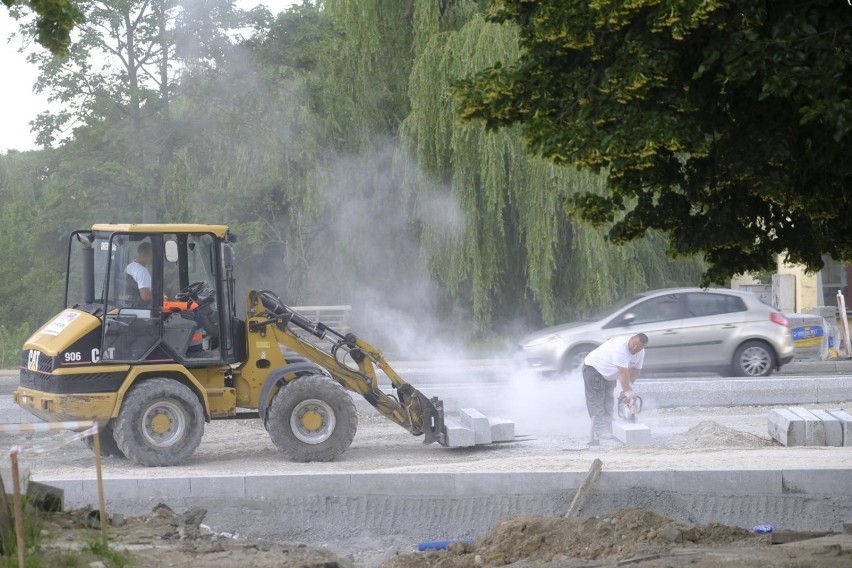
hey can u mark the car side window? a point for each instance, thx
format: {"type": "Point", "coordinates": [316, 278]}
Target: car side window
{"type": "Point", "coordinates": [662, 308]}
{"type": "Point", "coordinates": [702, 305]}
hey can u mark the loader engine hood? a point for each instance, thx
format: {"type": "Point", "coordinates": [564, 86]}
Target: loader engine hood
{"type": "Point", "coordinates": [70, 339]}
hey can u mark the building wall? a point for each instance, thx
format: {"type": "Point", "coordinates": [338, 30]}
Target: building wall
{"type": "Point", "coordinates": [807, 289]}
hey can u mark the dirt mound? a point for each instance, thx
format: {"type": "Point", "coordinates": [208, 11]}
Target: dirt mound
{"type": "Point", "coordinates": [162, 538]}
{"type": "Point", "coordinates": [625, 534]}
{"type": "Point", "coordinates": [708, 434]}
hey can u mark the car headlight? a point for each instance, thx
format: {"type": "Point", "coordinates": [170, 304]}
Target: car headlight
{"type": "Point", "coordinates": [540, 341]}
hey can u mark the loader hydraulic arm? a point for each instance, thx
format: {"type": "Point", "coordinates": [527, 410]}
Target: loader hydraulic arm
{"type": "Point", "coordinates": [351, 361]}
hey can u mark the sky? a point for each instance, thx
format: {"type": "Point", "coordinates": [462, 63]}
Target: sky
{"type": "Point", "coordinates": [19, 105]}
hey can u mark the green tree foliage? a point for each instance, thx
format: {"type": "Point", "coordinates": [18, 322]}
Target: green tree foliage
{"type": "Point", "coordinates": [33, 256]}
{"type": "Point", "coordinates": [125, 68]}
{"type": "Point", "coordinates": [513, 239]}
{"type": "Point", "coordinates": [364, 73]}
{"type": "Point", "coordinates": [330, 143]}
{"type": "Point", "coordinates": [724, 124]}
{"type": "Point", "coordinates": [54, 22]}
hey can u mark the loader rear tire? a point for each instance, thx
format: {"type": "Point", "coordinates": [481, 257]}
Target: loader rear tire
{"type": "Point", "coordinates": [109, 448]}
{"type": "Point", "coordinates": [312, 418]}
{"type": "Point", "coordinates": [160, 423]}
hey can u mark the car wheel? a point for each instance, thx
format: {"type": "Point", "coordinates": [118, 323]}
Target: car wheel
{"type": "Point", "coordinates": [754, 359]}
{"type": "Point", "coordinates": [573, 361]}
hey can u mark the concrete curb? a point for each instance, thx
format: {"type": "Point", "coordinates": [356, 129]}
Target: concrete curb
{"type": "Point", "coordinates": [451, 505]}
{"type": "Point", "coordinates": [79, 492]}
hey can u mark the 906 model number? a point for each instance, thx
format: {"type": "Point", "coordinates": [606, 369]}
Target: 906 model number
{"type": "Point", "coordinates": [71, 356]}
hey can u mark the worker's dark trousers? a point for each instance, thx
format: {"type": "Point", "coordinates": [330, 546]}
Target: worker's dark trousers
{"type": "Point", "coordinates": [599, 400]}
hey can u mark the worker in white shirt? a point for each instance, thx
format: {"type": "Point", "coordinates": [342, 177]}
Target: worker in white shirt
{"type": "Point", "coordinates": [618, 360]}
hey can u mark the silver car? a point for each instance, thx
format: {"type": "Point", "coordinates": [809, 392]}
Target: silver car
{"type": "Point", "coordinates": [688, 329]}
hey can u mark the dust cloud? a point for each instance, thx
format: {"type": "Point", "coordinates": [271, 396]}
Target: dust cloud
{"type": "Point", "coordinates": [372, 260]}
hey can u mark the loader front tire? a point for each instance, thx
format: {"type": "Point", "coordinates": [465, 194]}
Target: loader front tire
{"type": "Point", "coordinates": [312, 418]}
{"type": "Point", "coordinates": [160, 423]}
{"type": "Point", "coordinates": [109, 448]}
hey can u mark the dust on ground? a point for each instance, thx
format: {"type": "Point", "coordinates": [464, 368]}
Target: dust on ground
{"type": "Point", "coordinates": [626, 537]}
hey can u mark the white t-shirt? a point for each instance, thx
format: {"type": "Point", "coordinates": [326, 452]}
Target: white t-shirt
{"type": "Point", "coordinates": [140, 274]}
{"type": "Point", "coordinates": [612, 354]}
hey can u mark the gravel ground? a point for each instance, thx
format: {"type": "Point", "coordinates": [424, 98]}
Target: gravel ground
{"type": "Point", "coordinates": [728, 438]}
{"type": "Point", "coordinates": [691, 438]}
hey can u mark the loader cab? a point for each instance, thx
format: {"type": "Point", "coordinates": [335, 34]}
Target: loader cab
{"type": "Point", "coordinates": [163, 293]}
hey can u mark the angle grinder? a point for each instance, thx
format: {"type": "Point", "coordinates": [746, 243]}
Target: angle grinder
{"type": "Point", "coordinates": [628, 408]}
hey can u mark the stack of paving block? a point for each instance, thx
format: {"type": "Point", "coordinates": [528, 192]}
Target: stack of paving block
{"type": "Point", "coordinates": [798, 426]}
{"type": "Point", "coordinates": [472, 428]}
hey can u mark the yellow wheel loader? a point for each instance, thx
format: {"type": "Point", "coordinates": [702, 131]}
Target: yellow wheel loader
{"type": "Point", "coordinates": [150, 345]}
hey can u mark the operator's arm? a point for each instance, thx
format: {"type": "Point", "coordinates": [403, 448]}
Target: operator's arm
{"type": "Point", "coordinates": [626, 378]}
{"type": "Point", "coordinates": [634, 374]}
{"type": "Point", "coordinates": [145, 294]}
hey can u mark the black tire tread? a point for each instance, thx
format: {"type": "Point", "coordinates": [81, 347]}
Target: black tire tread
{"type": "Point", "coordinates": [109, 447]}
{"type": "Point", "coordinates": [277, 421]}
{"type": "Point", "coordinates": [126, 427]}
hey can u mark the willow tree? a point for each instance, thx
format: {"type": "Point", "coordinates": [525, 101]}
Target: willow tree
{"type": "Point", "coordinates": [362, 74]}
{"type": "Point", "coordinates": [515, 240]}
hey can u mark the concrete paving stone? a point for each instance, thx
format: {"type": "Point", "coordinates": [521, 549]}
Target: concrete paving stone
{"type": "Point", "coordinates": [271, 486]}
{"type": "Point", "coordinates": [515, 483]}
{"type": "Point", "coordinates": [833, 428]}
{"type": "Point", "coordinates": [478, 422]}
{"type": "Point", "coordinates": [735, 392]}
{"type": "Point", "coordinates": [434, 484]}
{"type": "Point", "coordinates": [767, 391]}
{"type": "Point", "coordinates": [119, 489]}
{"type": "Point", "coordinates": [833, 389]}
{"type": "Point", "coordinates": [817, 481]}
{"type": "Point", "coordinates": [73, 488]}
{"type": "Point", "coordinates": [615, 481]}
{"type": "Point", "coordinates": [162, 488]}
{"type": "Point", "coordinates": [671, 393]}
{"type": "Point", "coordinates": [501, 430]}
{"type": "Point", "coordinates": [457, 436]}
{"type": "Point", "coordinates": [632, 434]}
{"type": "Point", "coordinates": [733, 482]}
{"type": "Point", "coordinates": [845, 425]}
{"type": "Point", "coordinates": [814, 428]}
{"type": "Point", "coordinates": [787, 427]}
{"type": "Point", "coordinates": [220, 485]}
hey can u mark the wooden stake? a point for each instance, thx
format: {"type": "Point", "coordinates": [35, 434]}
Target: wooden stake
{"type": "Point", "coordinates": [6, 518]}
{"type": "Point", "coordinates": [101, 506]}
{"type": "Point", "coordinates": [19, 510]}
{"type": "Point", "coordinates": [585, 488]}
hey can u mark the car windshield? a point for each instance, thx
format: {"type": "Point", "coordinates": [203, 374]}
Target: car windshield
{"type": "Point", "coordinates": [613, 309]}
